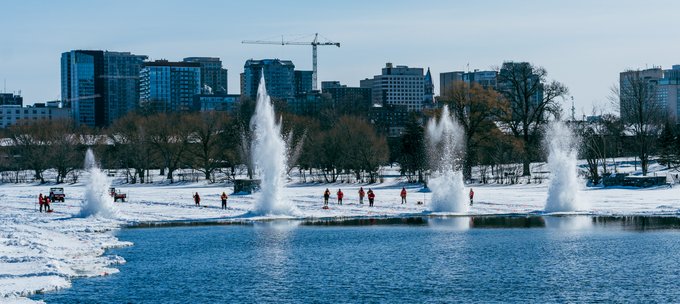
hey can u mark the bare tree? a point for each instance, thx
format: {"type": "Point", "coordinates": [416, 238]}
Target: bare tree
{"type": "Point", "coordinates": [641, 111]}
{"type": "Point", "coordinates": [206, 153]}
{"type": "Point", "coordinates": [531, 97]}
{"type": "Point", "coordinates": [475, 108]}
{"type": "Point", "coordinates": [169, 135]}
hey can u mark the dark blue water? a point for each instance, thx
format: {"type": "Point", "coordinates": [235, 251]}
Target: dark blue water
{"type": "Point", "coordinates": [477, 260]}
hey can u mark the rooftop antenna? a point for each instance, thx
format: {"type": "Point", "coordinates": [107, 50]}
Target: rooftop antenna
{"type": "Point", "coordinates": [573, 109]}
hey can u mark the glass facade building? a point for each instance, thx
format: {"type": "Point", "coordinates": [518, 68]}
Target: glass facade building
{"type": "Point", "coordinates": [169, 86]}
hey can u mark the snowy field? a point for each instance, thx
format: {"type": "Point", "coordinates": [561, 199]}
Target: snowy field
{"type": "Point", "coordinates": [41, 252]}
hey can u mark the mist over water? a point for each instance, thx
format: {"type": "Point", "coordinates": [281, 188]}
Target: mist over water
{"type": "Point", "coordinates": [269, 156]}
{"type": "Point", "coordinates": [97, 201]}
{"type": "Point", "coordinates": [564, 190]}
{"type": "Point", "coordinates": [445, 138]}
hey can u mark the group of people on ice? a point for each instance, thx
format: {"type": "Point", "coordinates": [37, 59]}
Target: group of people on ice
{"type": "Point", "coordinates": [44, 201]}
{"type": "Point", "coordinates": [223, 198]}
{"type": "Point", "coordinates": [371, 196]}
{"type": "Point", "coordinates": [340, 195]}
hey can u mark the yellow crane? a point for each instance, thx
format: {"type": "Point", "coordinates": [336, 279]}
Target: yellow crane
{"type": "Point", "coordinates": [314, 43]}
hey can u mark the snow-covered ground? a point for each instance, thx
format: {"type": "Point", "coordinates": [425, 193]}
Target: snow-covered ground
{"type": "Point", "coordinates": [40, 252]}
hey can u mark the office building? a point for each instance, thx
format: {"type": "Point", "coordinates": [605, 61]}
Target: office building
{"type": "Point", "coordinates": [279, 76]}
{"type": "Point", "coordinates": [651, 77]}
{"type": "Point", "coordinates": [303, 82]}
{"type": "Point", "coordinates": [11, 115]}
{"type": "Point", "coordinates": [216, 102]}
{"type": "Point", "coordinates": [399, 85]}
{"type": "Point", "coordinates": [487, 79]}
{"type": "Point", "coordinates": [167, 86]}
{"type": "Point", "coordinates": [9, 99]}
{"type": "Point", "coordinates": [99, 86]}
{"type": "Point", "coordinates": [213, 75]}
{"type": "Point", "coordinates": [348, 100]}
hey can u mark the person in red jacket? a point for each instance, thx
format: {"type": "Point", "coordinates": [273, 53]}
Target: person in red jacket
{"type": "Point", "coordinates": [197, 199]}
{"type": "Point", "coordinates": [40, 201]}
{"type": "Point", "coordinates": [224, 198]}
{"type": "Point", "coordinates": [403, 195]}
{"type": "Point", "coordinates": [472, 196]}
{"type": "Point", "coordinates": [371, 197]}
{"type": "Point", "coordinates": [47, 204]}
{"type": "Point", "coordinates": [361, 195]}
{"type": "Point", "coordinates": [340, 195]}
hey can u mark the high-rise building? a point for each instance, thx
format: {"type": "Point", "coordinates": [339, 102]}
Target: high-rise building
{"type": "Point", "coordinates": [669, 93]}
{"type": "Point", "coordinates": [169, 86]}
{"type": "Point", "coordinates": [279, 76]}
{"type": "Point", "coordinates": [83, 87]}
{"type": "Point", "coordinates": [303, 82]}
{"type": "Point", "coordinates": [99, 86]}
{"type": "Point", "coordinates": [447, 79]}
{"type": "Point", "coordinates": [121, 84]}
{"type": "Point", "coordinates": [213, 75]}
{"type": "Point", "coordinates": [650, 77]}
{"type": "Point", "coordinates": [331, 84]}
{"type": "Point", "coordinates": [9, 99]}
{"type": "Point", "coordinates": [399, 85]}
{"type": "Point", "coordinates": [487, 79]}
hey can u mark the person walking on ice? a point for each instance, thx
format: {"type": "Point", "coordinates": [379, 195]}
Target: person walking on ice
{"type": "Point", "coordinates": [361, 195]}
{"type": "Point", "coordinates": [472, 196]}
{"type": "Point", "coordinates": [403, 195]}
{"type": "Point", "coordinates": [326, 196]}
{"type": "Point", "coordinates": [371, 197]}
{"type": "Point", "coordinates": [197, 199]}
{"type": "Point", "coordinates": [340, 196]}
{"type": "Point", "coordinates": [224, 200]}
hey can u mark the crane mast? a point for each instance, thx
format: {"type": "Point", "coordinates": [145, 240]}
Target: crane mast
{"type": "Point", "coordinates": [314, 43]}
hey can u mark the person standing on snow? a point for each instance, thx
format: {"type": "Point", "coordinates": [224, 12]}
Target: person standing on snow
{"type": "Point", "coordinates": [361, 195]}
{"type": "Point", "coordinates": [340, 195]}
{"type": "Point", "coordinates": [403, 195]}
{"type": "Point", "coordinates": [326, 196]}
{"type": "Point", "coordinates": [47, 204]}
{"type": "Point", "coordinates": [472, 196]}
{"type": "Point", "coordinates": [197, 199]}
{"type": "Point", "coordinates": [40, 201]}
{"type": "Point", "coordinates": [371, 197]}
{"type": "Point", "coordinates": [224, 200]}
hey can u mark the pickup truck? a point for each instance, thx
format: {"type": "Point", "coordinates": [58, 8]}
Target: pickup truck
{"type": "Point", "coordinates": [57, 194]}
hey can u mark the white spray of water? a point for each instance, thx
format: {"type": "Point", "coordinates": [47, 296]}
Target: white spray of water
{"type": "Point", "coordinates": [563, 192]}
{"type": "Point", "coordinates": [97, 201]}
{"type": "Point", "coordinates": [446, 146]}
{"type": "Point", "coordinates": [269, 155]}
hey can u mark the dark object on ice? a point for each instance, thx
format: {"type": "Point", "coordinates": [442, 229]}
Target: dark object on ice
{"type": "Point", "coordinates": [419, 203]}
{"type": "Point", "coordinates": [197, 199]}
{"type": "Point", "coordinates": [325, 207]}
{"type": "Point", "coordinates": [57, 194]}
{"type": "Point", "coordinates": [633, 181]}
{"type": "Point", "coordinates": [246, 186]}
{"type": "Point", "coordinates": [117, 195]}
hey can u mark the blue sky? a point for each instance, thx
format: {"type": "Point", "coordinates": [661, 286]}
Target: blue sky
{"type": "Point", "coordinates": [584, 44]}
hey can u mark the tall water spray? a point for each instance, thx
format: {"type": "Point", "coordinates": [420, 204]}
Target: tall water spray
{"type": "Point", "coordinates": [269, 156]}
{"type": "Point", "coordinates": [97, 201]}
{"type": "Point", "coordinates": [445, 138]}
{"type": "Point", "coordinates": [563, 192]}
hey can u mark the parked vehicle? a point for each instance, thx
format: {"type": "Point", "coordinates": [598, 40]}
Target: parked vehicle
{"type": "Point", "coordinates": [57, 194]}
{"type": "Point", "coordinates": [117, 195]}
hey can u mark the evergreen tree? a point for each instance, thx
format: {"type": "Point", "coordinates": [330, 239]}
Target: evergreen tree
{"type": "Point", "coordinates": [413, 158]}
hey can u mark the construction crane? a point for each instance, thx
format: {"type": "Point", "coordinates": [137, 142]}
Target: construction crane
{"type": "Point", "coordinates": [314, 43]}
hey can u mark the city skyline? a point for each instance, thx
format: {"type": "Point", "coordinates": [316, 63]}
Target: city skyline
{"type": "Point", "coordinates": [583, 45]}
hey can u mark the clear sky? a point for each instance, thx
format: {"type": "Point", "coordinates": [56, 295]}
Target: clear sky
{"type": "Point", "coordinates": [584, 44]}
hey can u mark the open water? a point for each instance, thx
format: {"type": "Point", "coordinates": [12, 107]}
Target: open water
{"type": "Point", "coordinates": [414, 260]}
